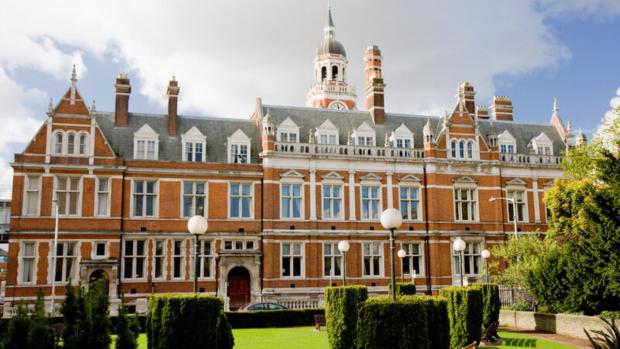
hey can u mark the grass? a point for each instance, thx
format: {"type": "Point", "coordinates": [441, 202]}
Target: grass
{"type": "Point", "coordinates": [305, 337]}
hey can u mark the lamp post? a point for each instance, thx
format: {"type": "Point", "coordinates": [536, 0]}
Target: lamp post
{"type": "Point", "coordinates": [485, 254]}
{"type": "Point", "coordinates": [55, 201]}
{"type": "Point", "coordinates": [459, 246]}
{"type": "Point", "coordinates": [514, 209]}
{"type": "Point", "coordinates": [343, 246]}
{"type": "Point", "coordinates": [197, 226]}
{"type": "Point", "coordinates": [402, 254]}
{"type": "Point", "coordinates": [392, 219]}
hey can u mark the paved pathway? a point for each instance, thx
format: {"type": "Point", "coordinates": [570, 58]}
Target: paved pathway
{"type": "Point", "coordinates": [578, 342]}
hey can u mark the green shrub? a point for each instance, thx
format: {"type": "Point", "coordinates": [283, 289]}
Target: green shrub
{"type": "Point", "coordinates": [126, 337]}
{"type": "Point", "coordinates": [273, 318]}
{"type": "Point", "coordinates": [40, 335]}
{"type": "Point", "coordinates": [613, 315]}
{"type": "Point", "coordinates": [195, 321]}
{"type": "Point", "coordinates": [403, 289]}
{"type": "Point", "coordinates": [523, 306]}
{"type": "Point", "coordinates": [99, 320]}
{"type": "Point", "coordinates": [341, 306]}
{"type": "Point", "coordinates": [464, 313]}
{"type": "Point", "coordinates": [490, 303]}
{"type": "Point", "coordinates": [17, 332]}
{"type": "Point", "coordinates": [437, 321]}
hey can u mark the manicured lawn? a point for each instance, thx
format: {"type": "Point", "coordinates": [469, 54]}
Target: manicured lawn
{"type": "Point", "coordinates": [305, 337]}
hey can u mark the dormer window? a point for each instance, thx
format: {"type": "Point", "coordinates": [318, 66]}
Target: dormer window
{"type": "Point", "coordinates": [194, 145]}
{"type": "Point", "coordinates": [364, 135]}
{"type": "Point", "coordinates": [365, 141]}
{"type": "Point", "coordinates": [327, 133]}
{"type": "Point", "coordinates": [542, 145]}
{"type": "Point", "coordinates": [463, 149]}
{"type": "Point", "coordinates": [507, 143]}
{"type": "Point", "coordinates": [146, 144]}
{"type": "Point", "coordinates": [239, 148]}
{"type": "Point", "coordinates": [402, 137]}
{"type": "Point", "coordinates": [288, 131]}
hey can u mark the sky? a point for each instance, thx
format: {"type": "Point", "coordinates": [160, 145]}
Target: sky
{"type": "Point", "coordinates": [226, 53]}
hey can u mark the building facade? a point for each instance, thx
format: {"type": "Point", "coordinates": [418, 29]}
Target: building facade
{"type": "Point", "coordinates": [279, 188]}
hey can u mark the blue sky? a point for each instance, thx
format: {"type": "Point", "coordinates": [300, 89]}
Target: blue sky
{"type": "Point", "coordinates": [225, 53]}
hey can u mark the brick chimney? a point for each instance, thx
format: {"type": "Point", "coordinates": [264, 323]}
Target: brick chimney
{"type": "Point", "coordinates": [375, 87]}
{"type": "Point", "coordinates": [467, 94]}
{"type": "Point", "coordinates": [502, 108]}
{"type": "Point", "coordinates": [122, 89]}
{"type": "Point", "coordinates": [173, 96]}
{"type": "Point", "coordinates": [482, 112]}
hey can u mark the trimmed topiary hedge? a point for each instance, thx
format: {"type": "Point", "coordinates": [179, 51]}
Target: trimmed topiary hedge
{"type": "Point", "coordinates": [341, 306]}
{"type": "Point", "coordinates": [490, 303]}
{"type": "Point", "coordinates": [464, 313]}
{"type": "Point", "coordinates": [196, 321]}
{"type": "Point", "coordinates": [403, 289]}
{"type": "Point", "coordinates": [437, 320]}
{"type": "Point", "coordinates": [273, 318]}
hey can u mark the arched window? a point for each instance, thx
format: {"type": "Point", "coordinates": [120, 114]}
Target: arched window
{"type": "Point", "coordinates": [58, 143]}
{"type": "Point", "coordinates": [335, 72]}
{"type": "Point", "coordinates": [461, 149]}
{"type": "Point", "coordinates": [71, 143]}
{"type": "Point", "coordinates": [323, 73]}
{"type": "Point", "coordinates": [453, 147]}
{"type": "Point", "coordinates": [83, 144]}
{"type": "Point", "coordinates": [470, 150]}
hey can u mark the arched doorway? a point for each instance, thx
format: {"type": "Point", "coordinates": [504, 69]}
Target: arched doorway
{"type": "Point", "coordinates": [100, 276]}
{"type": "Point", "coordinates": [238, 287]}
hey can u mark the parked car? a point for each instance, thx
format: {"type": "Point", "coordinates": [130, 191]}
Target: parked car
{"type": "Point", "coordinates": [263, 306]}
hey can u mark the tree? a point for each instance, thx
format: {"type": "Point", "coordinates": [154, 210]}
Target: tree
{"type": "Point", "coordinates": [75, 334]}
{"type": "Point", "coordinates": [99, 329]}
{"type": "Point", "coordinates": [17, 332]}
{"type": "Point", "coordinates": [40, 334]}
{"type": "Point", "coordinates": [126, 337]}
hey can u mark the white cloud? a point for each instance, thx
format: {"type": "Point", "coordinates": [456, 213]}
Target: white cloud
{"type": "Point", "coordinates": [225, 53]}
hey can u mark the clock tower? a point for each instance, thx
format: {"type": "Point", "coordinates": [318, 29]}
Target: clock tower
{"type": "Point", "coordinates": [330, 88]}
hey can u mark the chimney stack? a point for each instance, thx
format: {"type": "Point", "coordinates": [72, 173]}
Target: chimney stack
{"type": "Point", "coordinates": [375, 87]}
{"type": "Point", "coordinates": [173, 96]}
{"type": "Point", "coordinates": [502, 108]}
{"type": "Point", "coordinates": [482, 112]}
{"type": "Point", "coordinates": [467, 94]}
{"type": "Point", "coordinates": [122, 89]}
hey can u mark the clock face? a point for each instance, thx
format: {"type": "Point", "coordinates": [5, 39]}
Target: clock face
{"type": "Point", "coordinates": [338, 106]}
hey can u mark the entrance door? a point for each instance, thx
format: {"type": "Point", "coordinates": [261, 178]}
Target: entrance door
{"type": "Point", "coordinates": [102, 277]}
{"type": "Point", "coordinates": [238, 287]}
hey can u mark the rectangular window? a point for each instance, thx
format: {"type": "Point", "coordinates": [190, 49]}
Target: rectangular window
{"type": "Point", "coordinates": [67, 194]}
{"type": "Point", "coordinates": [150, 150]}
{"type": "Point", "coordinates": [409, 203]}
{"type": "Point", "coordinates": [159, 259]}
{"type": "Point", "coordinates": [178, 259]}
{"type": "Point", "coordinates": [240, 200]}
{"type": "Point", "coordinates": [66, 255]}
{"type": "Point", "coordinates": [465, 204]}
{"type": "Point", "coordinates": [370, 202]}
{"type": "Point", "coordinates": [366, 141]}
{"type": "Point", "coordinates": [27, 262]}
{"type": "Point", "coordinates": [239, 153]}
{"type": "Point", "coordinates": [145, 149]}
{"type": "Point", "coordinates": [33, 186]}
{"type": "Point", "coordinates": [471, 258]}
{"type": "Point", "coordinates": [519, 197]}
{"type": "Point", "coordinates": [140, 152]}
{"type": "Point", "coordinates": [100, 249]}
{"type": "Point", "coordinates": [144, 197]}
{"type": "Point", "coordinates": [238, 245]}
{"type": "Point", "coordinates": [206, 259]}
{"type": "Point", "coordinates": [332, 260]}
{"type": "Point", "coordinates": [290, 201]}
{"type": "Point", "coordinates": [373, 259]}
{"type": "Point", "coordinates": [133, 259]}
{"type": "Point", "coordinates": [403, 143]}
{"type": "Point", "coordinates": [413, 260]}
{"type": "Point", "coordinates": [332, 201]}
{"type": "Point", "coordinates": [194, 151]}
{"type": "Point", "coordinates": [288, 137]}
{"type": "Point", "coordinates": [194, 198]}
{"type": "Point", "coordinates": [291, 259]}
{"type": "Point", "coordinates": [103, 196]}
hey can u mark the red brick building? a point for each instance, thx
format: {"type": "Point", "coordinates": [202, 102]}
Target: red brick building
{"type": "Point", "coordinates": [279, 188]}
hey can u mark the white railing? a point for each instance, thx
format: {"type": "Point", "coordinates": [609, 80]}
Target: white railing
{"type": "Point", "coordinates": [298, 303]}
{"type": "Point", "coordinates": [333, 86]}
{"type": "Point", "coordinates": [531, 159]}
{"type": "Point", "coordinates": [337, 150]}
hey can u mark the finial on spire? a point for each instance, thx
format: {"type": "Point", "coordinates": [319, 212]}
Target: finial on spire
{"type": "Point", "coordinates": [50, 107]}
{"type": "Point", "coordinates": [73, 85]}
{"type": "Point", "coordinates": [556, 106]}
{"type": "Point", "coordinates": [329, 29]}
{"type": "Point", "coordinates": [93, 108]}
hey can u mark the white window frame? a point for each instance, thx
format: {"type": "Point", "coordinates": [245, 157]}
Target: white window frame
{"type": "Point", "coordinates": [163, 256]}
{"type": "Point", "coordinates": [291, 198]}
{"type": "Point", "coordinates": [335, 257]}
{"type": "Point", "coordinates": [239, 139]}
{"type": "Point", "coordinates": [510, 193]}
{"type": "Point", "coordinates": [372, 273]}
{"type": "Point", "coordinates": [542, 145]}
{"type": "Point", "coordinates": [288, 128]}
{"type": "Point", "coordinates": [408, 199]}
{"type": "Point", "coordinates": [292, 256]}
{"type": "Point", "coordinates": [173, 258]}
{"type": "Point", "coordinates": [409, 255]}
{"type": "Point", "coordinates": [473, 212]}
{"type": "Point", "coordinates": [402, 134]}
{"type": "Point", "coordinates": [134, 256]}
{"type": "Point", "coordinates": [331, 199]}
{"type": "Point", "coordinates": [35, 262]}
{"type": "Point", "coordinates": [72, 274]}
{"type": "Point", "coordinates": [94, 250]}
{"type": "Point", "coordinates": [27, 180]}
{"type": "Point", "coordinates": [238, 245]}
{"type": "Point", "coordinates": [193, 136]}
{"type": "Point", "coordinates": [98, 192]}
{"type": "Point", "coordinates": [69, 179]}
{"type": "Point", "coordinates": [329, 132]}
{"type": "Point", "coordinates": [468, 147]}
{"type": "Point", "coordinates": [470, 256]}
{"type": "Point", "coordinates": [193, 195]}
{"type": "Point", "coordinates": [507, 143]}
{"type": "Point", "coordinates": [365, 136]}
{"type": "Point", "coordinates": [144, 194]}
{"type": "Point", "coordinates": [145, 134]}
{"type": "Point", "coordinates": [86, 145]}
{"type": "Point", "coordinates": [379, 200]}
{"type": "Point", "coordinates": [56, 145]}
{"type": "Point", "coordinates": [251, 198]}
{"type": "Point", "coordinates": [202, 257]}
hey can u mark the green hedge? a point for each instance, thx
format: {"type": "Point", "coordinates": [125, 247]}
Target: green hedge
{"type": "Point", "coordinates": [341, 306]}
{"type": "Point", "coordinates": [273, 318]}
{"type": "Point", "coordinates": [403, 289]}
{"type": "Point", "coordinates": [490, 303]}
{"type": "Point", "coordinates": [438, 323]}
{"type": "Point", "coordinates": [464, 313]}
{"type": "Point", "coordinates": [196, 321]}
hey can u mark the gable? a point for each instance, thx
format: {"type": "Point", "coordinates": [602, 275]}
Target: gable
{"type": "Point", "coordinates": [65, 106]}
{"type": "Point", "coordinates": [371, 177]}
{"type": "Point", "coordinates": [288, 124]}
{"type": "Point", "coordinates": [38, 143]}
{"type": "Point", "coordinates": [239, 136]}
{"type": "Point", "coordinates": [465, 180]}
{"type": "Point", "coordinates": [102, 147]}
{"type": "Point", "coordinates": [506, 137]}
{"type": "Point", "coordinates": [403, 131]}
{"type": "Point", "coordinates": [332, 176]}
{"type": "Point", "coordinates": [146, 132]}
{"type": "Point", "coordinates": [542, 138]}
{"type": "Point", "coordinates": [327, 126]}
{"type": "Point", "coordinates": [364, 128]}
{"type": "Point", "coordinates": [193, 133]}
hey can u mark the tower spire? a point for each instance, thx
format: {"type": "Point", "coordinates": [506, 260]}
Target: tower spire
{"type": "Point", "coordinates": [330, 29]}
{"type": "Point", "coordinates": [73, 84]}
